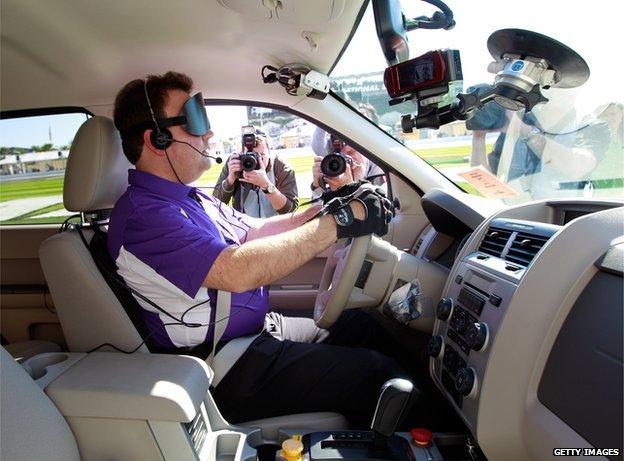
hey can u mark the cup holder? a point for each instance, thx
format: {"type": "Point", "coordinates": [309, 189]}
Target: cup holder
{"type": "Point", "coordinates": [39, 364]}
{"type": "Point", "coordinates": [227, 446]}
{"type": "Point", "coordinates": [267, 451]}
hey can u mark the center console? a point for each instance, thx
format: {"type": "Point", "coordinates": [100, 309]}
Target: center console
{"type": "Point", "coordinates": [474, 305]}
{"type": "Point", "coordinates": [140, 406]}
{"type": "Point", "coordinates": [151, 406]}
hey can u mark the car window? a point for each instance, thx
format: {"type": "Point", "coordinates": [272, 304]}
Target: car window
{"type": "Point", "coordinates": [570, 146]}
{"type": "Point", "coordinates": [33, 157]}
{"type": "Point", "coordinates": [293, 144]}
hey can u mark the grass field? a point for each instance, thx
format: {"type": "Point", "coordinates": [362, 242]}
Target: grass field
{"type": "Point", "coordinates": [441, 158]}
{"type": "Point", "coordinates": [42, 187]}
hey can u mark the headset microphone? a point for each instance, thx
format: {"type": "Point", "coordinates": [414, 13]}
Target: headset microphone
{"type": "Point", "coordinates": [215, 157]}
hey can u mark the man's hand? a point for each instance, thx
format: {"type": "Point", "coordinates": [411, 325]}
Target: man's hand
{"type": "Point", "coordinates": [339, 181]}
{"type": "Point", "coordinates": [234, 167]}
{"type": "Point", "coordinates": [358, 164]}
{"type": "Point", "coordinates": [257, 177]}
{"type": "Point", "coordinates": [317, 174]}
{"type": "Point", "coordinates": [479, 134]}
{"type": "Point", "coordinates": [379, 211]}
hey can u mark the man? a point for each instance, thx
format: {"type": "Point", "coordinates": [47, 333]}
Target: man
{"type": "Point", "coordinates": [358, 167]}
{"type": "Point", "coordinates": [261, 193]}
{"type": "Point", "coordinates": [177, 247]}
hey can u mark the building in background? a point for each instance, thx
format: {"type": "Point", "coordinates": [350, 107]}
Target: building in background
{"type": "Point", "coordinates": [34, 162]}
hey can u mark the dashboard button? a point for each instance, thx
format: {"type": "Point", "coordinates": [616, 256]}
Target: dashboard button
{"type": "Point", "coordinates": [495, 300]}
{"type": "Point", "coordinates": [461, 322]}
{"type": "Point", "coordinates": [444, 309]}
{"type": "Point", "coordinates": [477, 336]}
{"type": "Point", "coordinates": [465, 381]}
{"type": "Point", "coordinates": [459, 279]}
{"type": "Point", "coordinates": [435, 348]}
{"type": "Point", "coordinates": [457, 339]}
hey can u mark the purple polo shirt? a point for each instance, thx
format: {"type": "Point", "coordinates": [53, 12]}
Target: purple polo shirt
{"type": "Point", "coordinates": [164, 237]}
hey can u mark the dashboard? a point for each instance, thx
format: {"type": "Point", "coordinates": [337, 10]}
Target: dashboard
{"type": "Point", "coordinates": [527, 342]}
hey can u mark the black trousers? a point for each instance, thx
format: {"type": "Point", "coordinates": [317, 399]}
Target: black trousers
{"type": "Point", "coordinates": [296, 367]}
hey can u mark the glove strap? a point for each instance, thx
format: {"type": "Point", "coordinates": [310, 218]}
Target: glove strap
{"type": "Point", "coordinates": [343, 216]}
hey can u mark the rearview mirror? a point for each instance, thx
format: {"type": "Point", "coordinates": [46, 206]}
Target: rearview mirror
{"type": "Point", "coordinates": [390, 25]}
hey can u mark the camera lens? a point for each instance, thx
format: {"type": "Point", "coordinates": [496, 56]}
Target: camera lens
{"type": "Point", "coordinates": [249, 162]}
{"type": "Point", "coordinates": [333, 165]}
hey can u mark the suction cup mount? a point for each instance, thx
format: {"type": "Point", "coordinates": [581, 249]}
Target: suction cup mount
{"type": "Point", "coordinates": [570, 68]}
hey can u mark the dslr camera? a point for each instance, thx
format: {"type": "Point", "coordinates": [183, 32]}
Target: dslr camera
{"type": "Point", "coordinates": [335, 163]}
{"type": "Point", "coordinates": [249, 159]}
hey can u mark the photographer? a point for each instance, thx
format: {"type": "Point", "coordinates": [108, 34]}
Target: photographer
{"type": "Point", "coordinates": [267, 191]}
{"type": "Point", "coordinates": [358, 167]}
{"type": "Point", "coordinates": [551, 141]}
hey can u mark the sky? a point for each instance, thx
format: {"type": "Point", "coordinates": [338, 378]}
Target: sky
{"type": "Point", "coordinates": [35, 131]}
{"type": "Point", "coordinates": [592, 29]}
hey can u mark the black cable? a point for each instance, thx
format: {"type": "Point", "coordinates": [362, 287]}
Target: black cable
{"type": "Point", "coordinates": [118, 349]}
{"type": "Point", "coordinates": [66, 223]}
{"type": "Point", "coordinates": [117, 279]}
{"type": "Point", "coordinates": [216, 158]}
{"type": "Point", "coordinates": [246, 231]}
{"type": "Point", "coordinates": [375, 176]}
{"type": "Point", "coordinates": [240, 308]}
{"type": "Point", "coordinates": [188, 325]}
{"type": "Point", "coordinates": [171, 165]}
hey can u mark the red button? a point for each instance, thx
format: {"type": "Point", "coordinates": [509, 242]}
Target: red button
{"type": "Point", "coordinates": [421, 436]}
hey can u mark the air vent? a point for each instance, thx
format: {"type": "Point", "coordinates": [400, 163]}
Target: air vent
{"type": "Point", "coordinates": [197, 431]}
{"type": "Point", "coordinates": [524, 248]}
{"type": "Point", "coordinates": [494, 241]}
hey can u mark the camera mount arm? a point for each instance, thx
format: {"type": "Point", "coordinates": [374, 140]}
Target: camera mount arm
{"type": "Point", "coordinates": [525, 62]}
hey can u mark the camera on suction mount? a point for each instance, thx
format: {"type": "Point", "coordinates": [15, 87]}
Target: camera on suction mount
{"type": "Point", "coordinates": [250, 160]}
{"type": "Point", "coordinates": [432, 80]}
{"type": "Point", "coordinates": [335, 163]}
{"type": "Point", "coordinates": [525, 62]}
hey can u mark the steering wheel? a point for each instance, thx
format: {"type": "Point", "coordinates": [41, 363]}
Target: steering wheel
{"type": "Point", "coordinates": [339, 275]}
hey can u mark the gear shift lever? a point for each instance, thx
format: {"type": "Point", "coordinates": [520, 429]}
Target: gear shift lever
{"type": "Point", "coordinates": [383, 444]}
{"type": "Point", "coordinates": [394, 401]}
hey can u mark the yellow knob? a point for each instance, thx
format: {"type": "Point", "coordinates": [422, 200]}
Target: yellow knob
{"type": "Point", "coordinates": [291, 449]}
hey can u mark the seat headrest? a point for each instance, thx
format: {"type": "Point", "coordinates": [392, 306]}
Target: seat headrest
{"type": "Point", "coordinates": [97, 169]}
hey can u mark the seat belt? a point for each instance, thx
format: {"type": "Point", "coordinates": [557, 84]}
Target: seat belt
{"type": "Point", "coordinates": [222, 362]}
{"type": "Point", "coordinates": [224, 304]}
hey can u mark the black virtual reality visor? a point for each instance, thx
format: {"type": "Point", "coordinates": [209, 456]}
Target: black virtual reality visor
{"type": "Point", "coordinates": [193, 118]}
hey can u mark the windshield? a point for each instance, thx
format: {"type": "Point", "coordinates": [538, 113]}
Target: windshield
{"type": "Point", "coordinates": [569, 147]}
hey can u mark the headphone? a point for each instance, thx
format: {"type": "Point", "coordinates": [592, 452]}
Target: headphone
{"type": "Point", "coordinates": [161, 138]}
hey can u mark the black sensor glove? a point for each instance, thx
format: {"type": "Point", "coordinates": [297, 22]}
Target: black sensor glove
{"type": "Point", "coordinates": [379, 213]}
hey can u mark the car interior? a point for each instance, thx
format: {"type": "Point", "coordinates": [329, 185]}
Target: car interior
{"type": "Point", "coordinates": [515, 301]}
